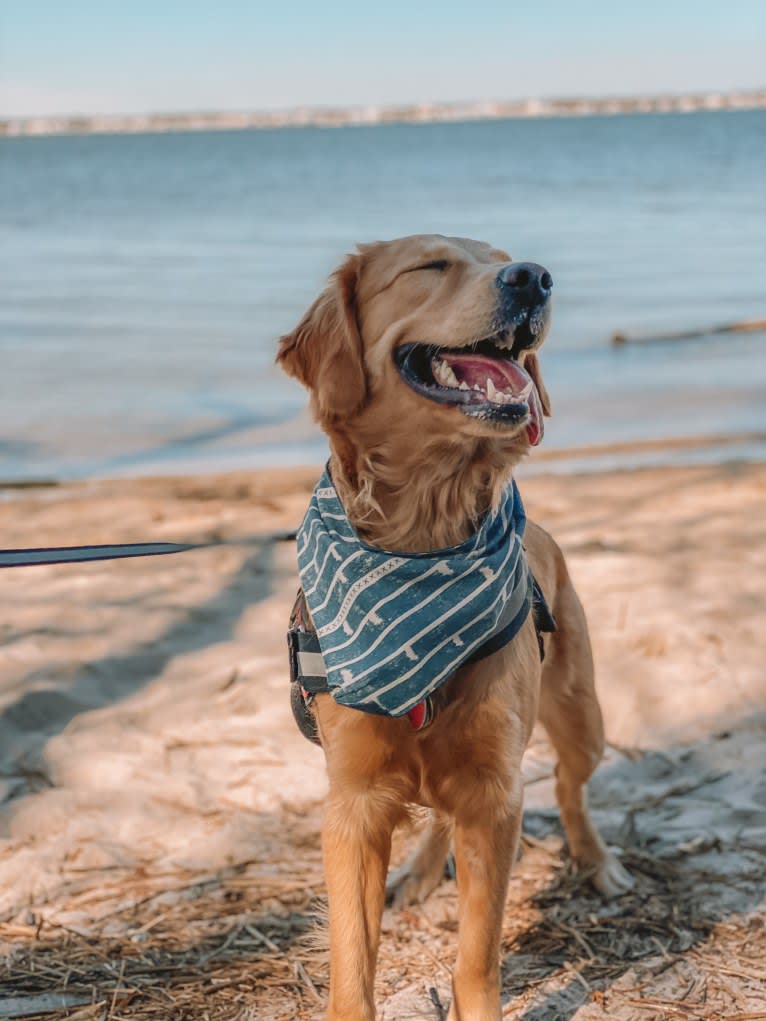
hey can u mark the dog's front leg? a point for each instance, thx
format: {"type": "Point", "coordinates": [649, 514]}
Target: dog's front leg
{"type": "Point", "coordinates": [485, 847]}
{"type": "Point", "coordinates": [365, 802]}
{"type": "Point", "coordinates": [356, 842]}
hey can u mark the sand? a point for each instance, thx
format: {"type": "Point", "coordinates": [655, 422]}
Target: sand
{"type": "Point", "coordinates": [160, 813]}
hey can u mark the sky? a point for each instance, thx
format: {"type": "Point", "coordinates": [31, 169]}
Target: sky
{"type": "Point", "coordinates": [137, 56]}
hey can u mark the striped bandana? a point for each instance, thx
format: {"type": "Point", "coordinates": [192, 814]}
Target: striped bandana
{"type": "Point", "coordinates": [392, 627]}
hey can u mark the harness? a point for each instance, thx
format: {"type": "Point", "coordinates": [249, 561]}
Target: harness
{"type": "Point", "coordinates": [308, 675]}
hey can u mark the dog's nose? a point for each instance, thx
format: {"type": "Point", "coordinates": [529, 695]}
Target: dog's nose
{"type": "Point", "coordinates": [527, 282]}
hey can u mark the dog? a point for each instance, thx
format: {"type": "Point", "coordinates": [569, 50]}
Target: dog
{"type": "Point", "coordinates": [421, 361]}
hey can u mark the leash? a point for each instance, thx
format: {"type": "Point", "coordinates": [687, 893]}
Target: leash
{"type": "Point", "coordinates": [119, 551]}
{"type": "Point", "coordinates": [81, 554]}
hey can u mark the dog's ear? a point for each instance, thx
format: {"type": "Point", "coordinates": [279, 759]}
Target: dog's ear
{"type": "Point", "coordinates": [532, 366]}
{"type": "Point", "coordinates": [324, 351]}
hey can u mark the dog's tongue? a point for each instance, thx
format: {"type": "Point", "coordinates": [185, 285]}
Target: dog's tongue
{"type": "Point", "coordinates": [503, 382]}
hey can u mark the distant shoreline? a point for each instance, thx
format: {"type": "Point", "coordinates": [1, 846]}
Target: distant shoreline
{"type": "Point", "coordinates": [417, 113]}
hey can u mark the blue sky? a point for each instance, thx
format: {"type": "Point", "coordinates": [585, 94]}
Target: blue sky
{"type": "Point", "coordinates": [133, 56]}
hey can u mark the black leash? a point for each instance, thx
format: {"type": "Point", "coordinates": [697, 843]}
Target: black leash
{"type": "Point", "coordinates": [118, 551]}
{"type": "Point", "coordinates": [79, 554]}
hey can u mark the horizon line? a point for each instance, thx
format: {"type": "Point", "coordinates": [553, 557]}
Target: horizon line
{"type": "Point", "coordinates": [380, 114]}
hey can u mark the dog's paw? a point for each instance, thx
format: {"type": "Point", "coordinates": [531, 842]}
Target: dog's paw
{"type": "Point", "coordinates": [407, 885]}
{"type": "Point", "coordinates": [611, 878]}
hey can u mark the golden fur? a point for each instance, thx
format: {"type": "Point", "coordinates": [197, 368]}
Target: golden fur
{"type": "Point", "coordinates": [415, 475]}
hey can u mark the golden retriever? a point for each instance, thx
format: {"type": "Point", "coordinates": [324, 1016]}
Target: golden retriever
{"type": "Point", "coordinates": [422, 447]}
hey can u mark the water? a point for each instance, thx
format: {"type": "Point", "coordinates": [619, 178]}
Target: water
{"type": "Point", "coordinates": [145, 279]}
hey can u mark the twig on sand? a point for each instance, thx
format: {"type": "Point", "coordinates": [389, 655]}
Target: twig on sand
{"type": "Point", "coordinates": [571, 970]}
{"type": "Point", "coordinates": [429, 953]}
{"type": "Point", "coordinates": [302, 975]}
{"type": "Point", "coordinates": [678, 790]}
{"type": "Point", "coordinates": [257, 934]}
{"type": "Point", "coordinates": [579, 938]}
{"type": "Point", "coordinates": [743, 326]}
{"type": "Point", "coordinates": [679, 1008]}
{"type": "Point", "coordinates": [758, 976]}
{"type": "Point", "coordinates": [116, 989]}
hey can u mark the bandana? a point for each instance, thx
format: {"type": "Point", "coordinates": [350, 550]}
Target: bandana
{"type": "Point", "coordinates": [391, 626]}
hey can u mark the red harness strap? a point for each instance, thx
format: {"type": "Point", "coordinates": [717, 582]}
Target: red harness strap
{"type": "Point", "coordinates": [421, 715]}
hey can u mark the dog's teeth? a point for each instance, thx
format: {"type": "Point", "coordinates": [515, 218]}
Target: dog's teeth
{"type": "Point", "coordinates": [477, 387]}
{"type": "Point", "coordinates": [526, 391]}
{"type": "Point", "coordinates": [463, 385]}
{"type": "Point", "coordinates": [443, 373]}
{"type": "Point", "coordinates": [495, 395]}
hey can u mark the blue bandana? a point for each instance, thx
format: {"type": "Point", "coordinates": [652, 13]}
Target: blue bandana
{"type": "Point", "coordinates": [392, 627]}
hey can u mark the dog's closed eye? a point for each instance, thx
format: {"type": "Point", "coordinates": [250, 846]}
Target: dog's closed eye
{"type": "Point", "coordinates": [436, 264]}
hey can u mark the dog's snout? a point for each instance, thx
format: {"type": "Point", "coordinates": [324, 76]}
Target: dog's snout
{"type": "Point", "coordinates": [527, 282]}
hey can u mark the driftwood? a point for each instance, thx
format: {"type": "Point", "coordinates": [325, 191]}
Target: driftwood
{"type": "Point", "coordinates": [744, 326]}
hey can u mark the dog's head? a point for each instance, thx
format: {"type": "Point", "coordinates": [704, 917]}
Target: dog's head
{"type": "Point", "coordinates": [439, 334]}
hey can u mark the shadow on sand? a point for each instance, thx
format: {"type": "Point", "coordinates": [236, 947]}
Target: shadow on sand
{"type": "Point", "coordinates": [41, 712]}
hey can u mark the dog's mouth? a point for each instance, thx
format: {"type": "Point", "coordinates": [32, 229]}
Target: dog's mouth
{"type": "Point", "coordinates": [483, 380]}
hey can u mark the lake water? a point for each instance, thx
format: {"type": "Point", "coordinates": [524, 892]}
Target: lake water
{"type": "Point", "coordinates": [145, 279]}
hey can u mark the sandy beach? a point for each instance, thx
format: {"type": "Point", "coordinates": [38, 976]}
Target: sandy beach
{"type": "Point", "coordinates": [160, 813]}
